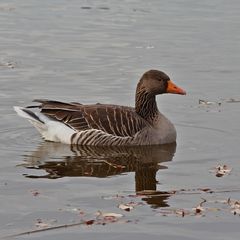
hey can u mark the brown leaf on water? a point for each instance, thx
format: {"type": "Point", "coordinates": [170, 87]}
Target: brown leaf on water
{"type": "Point", "coordinates": [199, 209]}
{"type": "Point", "coordinates": [90, 222]}
{"type": "Point", "coordinates": [208, 190]}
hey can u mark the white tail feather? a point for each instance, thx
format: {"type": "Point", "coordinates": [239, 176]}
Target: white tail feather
{"type": "Point", "coordinates": [20, 111]}
{"type": "Point", "coordinates": [50, 130]}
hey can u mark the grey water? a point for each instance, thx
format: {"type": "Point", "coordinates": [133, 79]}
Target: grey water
{"type": "Point", "coordinates": [95, 51]}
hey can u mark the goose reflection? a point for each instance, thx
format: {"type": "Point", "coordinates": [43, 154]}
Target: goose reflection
{"type": "Point", "coordinates": [59, 160]}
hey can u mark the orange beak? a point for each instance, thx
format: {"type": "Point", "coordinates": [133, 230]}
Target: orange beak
{"type": "Point", "coordinates": [172, 88]}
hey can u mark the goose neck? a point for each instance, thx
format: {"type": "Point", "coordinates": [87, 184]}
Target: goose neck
{"type": "Point", "coordinates": [146, 105]}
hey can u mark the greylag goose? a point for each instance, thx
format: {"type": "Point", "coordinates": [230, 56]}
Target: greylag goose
{"type": "Point", "coordinates": [106, 124]}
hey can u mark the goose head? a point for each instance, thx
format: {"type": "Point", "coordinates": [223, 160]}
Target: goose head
{"type": "Point", "coordinates": [156, 82]}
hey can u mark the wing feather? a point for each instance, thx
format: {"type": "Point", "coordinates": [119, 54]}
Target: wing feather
{"type": "Point", "coordinates": [113, 119]}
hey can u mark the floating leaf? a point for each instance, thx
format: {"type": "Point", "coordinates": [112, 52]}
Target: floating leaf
{"type": "Point", "coordinates": [221, 170]}
{"type": "Point", "coordinates": [125, 207]}
{"type": "Point", "coordinates": [90, 222]}
{"type": "Point", "coordinates": [108, 214]}
{"type": "Point", "coordinates": [199, 209]}
{"type": "Point", "coordinates": [235, 206]}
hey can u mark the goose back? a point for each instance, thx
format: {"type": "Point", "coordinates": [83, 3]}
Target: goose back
{"type": "Point", "coordinates": [116, 120]}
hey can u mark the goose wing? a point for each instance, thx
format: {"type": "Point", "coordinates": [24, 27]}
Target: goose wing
{"type": "Point", "coordinates": [113, 119]}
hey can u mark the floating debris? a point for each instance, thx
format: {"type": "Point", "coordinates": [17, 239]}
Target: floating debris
{"type": "Point", "coordinates": [145, 47]}
{"type": "Point", "coordinates": [207, 190]}
{"type": "Point", "coordinates": [204, 102]}
{"type": "Point", "coordinates": [232, 100]}
{"type": "Point", "coordinates": [89, 8]}
{"type": "Point", "coordinates": [6, 8]}
{"type": "Point", "coordinates": [111, 217]}
{"type": "Point", "coordinates": [35, 193]}
{"type": "Point", "coordinates": [8, 64]}
{"type": "Point", "coordinates": [90, 222]}
{"type": "Point", "coordinates": [196, 211]}
{"type": "Point", "coordinates": [104, 8]}
{"type": "Point", "coordinates": [221, 170]}
{"type": "Point", "coordinates": [42, 225]}
{"type": "Point", "coordinates": [125, 207]}
{"type": "Point", "coordinates": [74, 210]}
{"type": "Point", "coordinates": [235, 206]}
{"type": "Point", "coordinates": [149, 47]}
{"type": "Point", "coordinates": [236, 211]}
{"type": "Point", "coordinates": [117, 196]}
{"type": "Point", "coordinates": [45, 224]}
{"type": "Point", "coordinates": [175, 212]}
{"type": "Point", "coordinates": [85, 7]}
{"type": "Point", "coordinates": [181, 212]}
{"type": "Point", "coordinates": [199, 209]}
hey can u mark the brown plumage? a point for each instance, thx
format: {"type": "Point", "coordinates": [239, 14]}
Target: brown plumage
{"type": "Point", "coordinates": [105, 124]}
{"type": "Point", "coordinates": [113, 119]}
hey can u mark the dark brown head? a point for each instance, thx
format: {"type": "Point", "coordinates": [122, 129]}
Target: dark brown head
{"type": "Point", "coordinates": [156, 82]}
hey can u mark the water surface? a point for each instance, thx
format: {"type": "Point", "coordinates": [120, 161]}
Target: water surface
{"type": "Point", "coordinates": [95, 51]}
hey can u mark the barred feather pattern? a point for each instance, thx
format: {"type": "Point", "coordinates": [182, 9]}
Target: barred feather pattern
{"type": "Point", "coordinates": [97, 124]}
{"type": "Point", "coordinates": [95, 137]}
{"type": "Point", "coordinates": [146, 105]}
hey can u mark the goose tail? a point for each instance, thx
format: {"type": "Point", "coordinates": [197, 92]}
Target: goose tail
{"type": "Point", "coordinates": [28, 114]}
{"type": "Point", "coordinates": [50, 130]}
{"type": "Point", "coordinates": [32, 117]}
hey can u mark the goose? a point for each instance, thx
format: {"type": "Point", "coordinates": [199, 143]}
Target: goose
{"type": "Point", "coordinates": [107, 124]}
